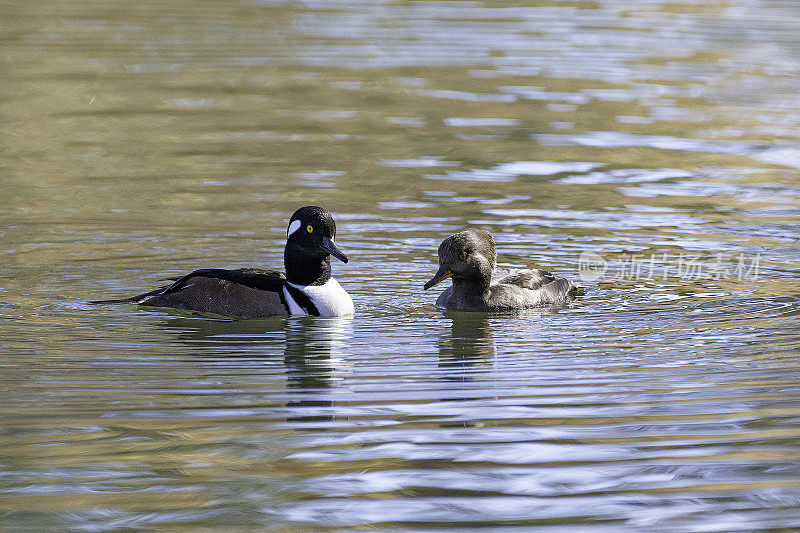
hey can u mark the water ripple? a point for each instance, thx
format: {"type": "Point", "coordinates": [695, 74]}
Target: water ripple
{"type": "Point", "coordinates": [139, 144]}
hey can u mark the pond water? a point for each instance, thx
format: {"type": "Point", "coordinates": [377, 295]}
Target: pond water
{"type": "Point", "coordinates": [648, 150]}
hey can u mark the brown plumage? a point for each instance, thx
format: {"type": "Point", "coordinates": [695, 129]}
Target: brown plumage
{"type": "Point", "coordinates": [469, 257]}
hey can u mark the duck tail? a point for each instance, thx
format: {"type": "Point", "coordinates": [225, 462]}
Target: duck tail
{"type": "Point", "coordinates": [114, 301]}
{"type": "Point", "coordinates": [130, 300]}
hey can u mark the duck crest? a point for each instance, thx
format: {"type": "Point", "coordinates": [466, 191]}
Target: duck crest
{"type": "Point", "coordinates": [309, 246]}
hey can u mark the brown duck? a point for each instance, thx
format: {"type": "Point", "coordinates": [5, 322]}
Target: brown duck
{"type": "Point", "coordinates": [469, 258]}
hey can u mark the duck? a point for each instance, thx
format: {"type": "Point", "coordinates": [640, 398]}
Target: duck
{"type": "Point", "coordinates": [306, 289]}
{"type": "Point", "coordinates": [469, 258]}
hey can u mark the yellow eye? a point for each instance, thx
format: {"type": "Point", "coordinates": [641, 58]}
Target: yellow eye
{"type": "Point", "coordinates": [310, 228]}
{"type": "Point", "coordinates": [463, 256]}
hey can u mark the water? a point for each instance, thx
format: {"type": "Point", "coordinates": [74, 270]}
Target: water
{"type": "Point", "coordinates": [649, 149]}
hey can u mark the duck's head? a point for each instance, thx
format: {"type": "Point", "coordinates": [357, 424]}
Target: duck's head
{"type": "Point", "coordinates": [467, 255]}
{"type": "Point", "coordinates": [311, 234]}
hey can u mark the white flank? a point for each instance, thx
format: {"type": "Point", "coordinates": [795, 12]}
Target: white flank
{"type": "Point", "coordinates": [294, 309]}
{"type": "Point", "coordinates": [294, 226]}
{"type": "Point", "coordinates": [330, 299]}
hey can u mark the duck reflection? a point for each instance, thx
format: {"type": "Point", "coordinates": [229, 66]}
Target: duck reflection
{"type": "Point", "coordinates": [469, 342]}
{"type": "Point", "coordinates": [314, 347]}
{"type": "Point", "coordinates": [463, 350]}
{"type": "Point", "coordinates": [312, 350]}
{"type": "Point", "coordinates": [228, 338]}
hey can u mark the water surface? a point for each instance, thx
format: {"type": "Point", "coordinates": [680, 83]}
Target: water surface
{"type": "Point", "coordinates": [648, 150]}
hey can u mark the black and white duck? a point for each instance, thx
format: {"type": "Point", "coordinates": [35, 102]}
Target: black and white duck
{"type": "Point", "coordinates": [307, 288]}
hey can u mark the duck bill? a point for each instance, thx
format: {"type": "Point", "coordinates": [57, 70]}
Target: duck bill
{"type": "Point", "coordinates": [332, 249]}
{"type": "Point", "coordinates": [440, 276]}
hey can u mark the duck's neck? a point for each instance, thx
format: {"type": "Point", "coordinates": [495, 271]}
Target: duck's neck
{"type": "Point", "coordinates": [303, 269]}
{"type": "Point", "coordinates": [470, 293]}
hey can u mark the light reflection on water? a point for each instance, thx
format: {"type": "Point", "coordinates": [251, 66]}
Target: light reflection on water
{"type": "Point", "coordinates": [142, 141]}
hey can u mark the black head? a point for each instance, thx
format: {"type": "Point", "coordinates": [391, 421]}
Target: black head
{"type": "Point", "coordinates": [467, 255]}
{"type": "Point", "coordinates": [309, 245]}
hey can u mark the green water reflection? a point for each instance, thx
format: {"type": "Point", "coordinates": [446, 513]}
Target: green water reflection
{"type": "Point", "coordinates": [143, 140]}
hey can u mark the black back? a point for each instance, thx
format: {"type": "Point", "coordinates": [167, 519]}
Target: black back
{"type": "Point", "coordinates": [264, 280]}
